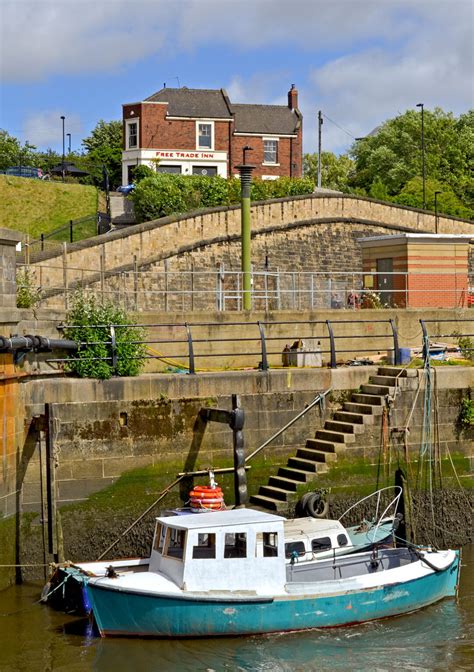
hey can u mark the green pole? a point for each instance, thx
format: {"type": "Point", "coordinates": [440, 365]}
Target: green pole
{"type": "Point", "coordinates": [245, 182]}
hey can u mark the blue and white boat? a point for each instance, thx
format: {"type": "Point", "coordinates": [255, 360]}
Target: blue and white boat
{"type": "Point", "coordinates": [225, 573]}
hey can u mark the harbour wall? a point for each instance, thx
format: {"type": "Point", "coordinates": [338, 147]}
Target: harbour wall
{"type": "Point", "coordinates": [117, 444]}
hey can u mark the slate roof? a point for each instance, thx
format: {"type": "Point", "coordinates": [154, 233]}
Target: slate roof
{"type": "Point", "coordinates": [276, 119]}
{"type": "Point", "coordinates": [214, 104]}
{"type": "Point", "coordinates": [184, 102]}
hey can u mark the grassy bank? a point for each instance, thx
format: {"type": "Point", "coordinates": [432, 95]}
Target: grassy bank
{"type": "Point", "coordinates": [35, 206]}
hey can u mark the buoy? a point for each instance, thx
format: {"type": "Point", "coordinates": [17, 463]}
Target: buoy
{"type": "Point", "coordinates": [206, 498]}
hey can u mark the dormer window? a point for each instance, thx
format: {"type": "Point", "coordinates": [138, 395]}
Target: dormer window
{"type": "Point", "coordinates": [205, 135]}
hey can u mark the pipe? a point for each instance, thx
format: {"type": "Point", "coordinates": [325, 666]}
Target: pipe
{"type": "Point", "coordinates": [35, 344]}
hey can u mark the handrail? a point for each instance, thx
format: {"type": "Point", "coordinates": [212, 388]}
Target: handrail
{"type": "Point", "coordinates": [315, 401]}
{"type": "Point", "coordinates": [392, 504]}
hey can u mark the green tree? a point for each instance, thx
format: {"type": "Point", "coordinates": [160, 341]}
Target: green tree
{"type": "Point", "coordinates": [391, 156]}
{"type": "Point", "coordinates": [448, 201]}
{"type": "Point", "coordinates": [335, 170]}
{"type": "Point", "coordinates": [12, 153]}
{"type": "Point", "coordinates": [104, 147]}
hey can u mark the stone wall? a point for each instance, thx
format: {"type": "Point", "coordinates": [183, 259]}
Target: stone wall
{"type": "Point", "coordinates": [317, 233]}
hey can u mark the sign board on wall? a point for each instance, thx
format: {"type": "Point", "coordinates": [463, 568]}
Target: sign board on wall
{"type": "Point", "coordinates": [168, 154]}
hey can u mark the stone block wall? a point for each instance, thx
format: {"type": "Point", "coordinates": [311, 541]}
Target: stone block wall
{"type": "Point", "coordinates": [316, 232]}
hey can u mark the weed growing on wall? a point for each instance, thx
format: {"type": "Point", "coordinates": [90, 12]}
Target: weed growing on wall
{"type": "Point", "coordinates": [466, 414]}
{"type": "Point", "coordinates": [27, 292]}
{"type": "Point", "coordinates": [89, 323]}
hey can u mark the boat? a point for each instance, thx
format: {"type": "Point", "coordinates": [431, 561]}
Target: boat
{"type": "Point", "coordinates": [225, 573]}
{"type": "Point", "coordinates": [307, 539]}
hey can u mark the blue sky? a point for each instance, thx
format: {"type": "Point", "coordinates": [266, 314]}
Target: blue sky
{"type": "Point", "coordinates": [359, 61]}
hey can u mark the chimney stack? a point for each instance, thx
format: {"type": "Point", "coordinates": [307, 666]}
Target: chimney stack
{"type": "Point", "coordinates": [293, 98]}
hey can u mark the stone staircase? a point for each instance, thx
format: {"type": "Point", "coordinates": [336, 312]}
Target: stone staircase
{"type": "Point", "coordinates": [364, 409]}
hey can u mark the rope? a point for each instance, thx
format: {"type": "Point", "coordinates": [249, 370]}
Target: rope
{"type": "Point", "coordinates": [43, 598]}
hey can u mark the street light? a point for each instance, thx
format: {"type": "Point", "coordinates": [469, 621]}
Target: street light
{"type": "Point", "coordinates": [62, 167]}
{"type": "Point", "coordinates": [436, 209]}
{"type": "Point", "coordinates": [69, 140]}
{"type": "Point", "coordinates": [421, 105]}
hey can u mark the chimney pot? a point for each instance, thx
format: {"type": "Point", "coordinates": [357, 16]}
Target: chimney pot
{"type": "Point", "coordinates": [293, 98]}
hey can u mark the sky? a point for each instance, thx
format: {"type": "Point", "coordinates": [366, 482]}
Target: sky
{"type": "Point", "coordinates": [358, 61]}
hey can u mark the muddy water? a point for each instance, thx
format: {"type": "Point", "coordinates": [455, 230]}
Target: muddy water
{"type": "Point", "coordinates": [35, 638]}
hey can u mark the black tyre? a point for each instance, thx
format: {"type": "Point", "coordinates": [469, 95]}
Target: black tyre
{"type": "Point", "coordinates": [315, 506]}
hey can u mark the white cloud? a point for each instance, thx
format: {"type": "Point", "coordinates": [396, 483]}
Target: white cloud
{"type": "Point", "coordinates": [44, 128]}
{"type": "Point", "coordinates": [360, 61]}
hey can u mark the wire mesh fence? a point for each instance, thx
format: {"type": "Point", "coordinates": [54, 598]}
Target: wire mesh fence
{"type": "Point", "coordinates": [223, 290]}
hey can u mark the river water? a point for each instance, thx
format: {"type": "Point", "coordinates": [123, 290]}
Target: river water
{"type": "Point", "coordinates": [34, 638]}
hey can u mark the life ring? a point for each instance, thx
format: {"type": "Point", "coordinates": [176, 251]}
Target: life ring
{"type": "Point", "coordinates": [197, 500]}
{"type": "Point", "coordinates": [207, 494]}
{"type": "Point", "coordinates": [315, 506]}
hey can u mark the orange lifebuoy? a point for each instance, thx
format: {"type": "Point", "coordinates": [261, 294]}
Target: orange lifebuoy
{"type": "Point", "coordinates": [209, 494]}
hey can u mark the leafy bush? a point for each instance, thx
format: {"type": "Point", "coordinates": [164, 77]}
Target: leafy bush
{"type": "Point", "coordinates": [466, 345]}
{"type": "Point", "coordinates": [158, 195]}
{"type": "Point", "coordinates": [466, 414]}
{"type": "Point", "coordinates": [27, 293]}
{"type": "Point", "coordinates": [88, 322]}
{"type": "Point", "coordinates": [140, 172]}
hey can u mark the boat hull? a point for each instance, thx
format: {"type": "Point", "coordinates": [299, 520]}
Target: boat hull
{"type": "Point", "coordinates": [126, 613]}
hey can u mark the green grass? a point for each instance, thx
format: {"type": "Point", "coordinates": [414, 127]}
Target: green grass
{"type": "Point", "coordinates": [35, 206]}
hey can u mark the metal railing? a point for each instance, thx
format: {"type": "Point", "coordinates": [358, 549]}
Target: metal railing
{"type": "Point", "coordinates": [222, 290]}
{"type": "Point", "coordinates": [264, 345]}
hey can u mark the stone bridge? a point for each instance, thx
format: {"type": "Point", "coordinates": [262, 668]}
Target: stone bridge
{"type": "Point", "coordinates": [304, 233]}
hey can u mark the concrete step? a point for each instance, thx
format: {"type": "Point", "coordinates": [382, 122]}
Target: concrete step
{"type": "Point", "coordinates": [274, 493]}
{"type": "Point", "coordinates": [394, 371]}
{"type": "Point", "coordinates": [295, 474]}
{"type": "Point", "coordinates": [307, 465]}
{"type": "Point", "coordinates": [345, 427]}
{"type": "Point", "coordinates": [355, 418]}
{"type": "Point", "coordinates": [366, 409]}
{"type": "Point", "coordinates": [267, 503]}
{"type": "Point", "coordinates": [315, 455]}
{"type": "Point", "coordinates": [284, 483]}
{"type": "Point", "coordinates": [371, 399]}
{"type": "Point", "coordinates": [337, 437]}
{"type": "Point", "coordinates": [390, 381]}
{"type": "Point", "coordinates": [325, 446]}
{"type": "Point", "coordinates": [377, 389]}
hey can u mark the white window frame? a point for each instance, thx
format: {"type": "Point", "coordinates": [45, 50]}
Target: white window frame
{"type": "Point", "coordinates": [270, 163]}
{"type": "Point", "coordinates": [128, 123]}
{"type": "Point", "coordinates": [210, 123]}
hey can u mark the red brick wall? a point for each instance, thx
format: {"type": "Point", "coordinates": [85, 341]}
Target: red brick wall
{"type": "Point", "coordinates": [155, 131]}
{"type": "Point", "coordinates": [422, 290]}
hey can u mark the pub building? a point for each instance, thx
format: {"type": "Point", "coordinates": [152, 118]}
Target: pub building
{"type": "Point", "coordinates": [200, 132]}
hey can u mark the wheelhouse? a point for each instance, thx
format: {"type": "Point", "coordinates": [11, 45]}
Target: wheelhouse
{"type": "Point", "coordinates": [242, 548]}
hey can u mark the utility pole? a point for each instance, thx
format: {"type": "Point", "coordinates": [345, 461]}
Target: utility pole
{"type": "Point", "coordinates": [245, 171]}
{"type": "Point", "coordinates": [320, 123]}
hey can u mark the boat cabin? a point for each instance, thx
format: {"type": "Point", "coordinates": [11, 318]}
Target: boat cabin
{"type": "Point", "coordinates": [241, 548]}
{"type": "Point", "coordinates": [310, 538]}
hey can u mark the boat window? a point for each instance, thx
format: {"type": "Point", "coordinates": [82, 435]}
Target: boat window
{"type": "Point", "coordinates": [294, 547]}
{"type": "Point", "coordinates": [321, 544]}
{"type": "Point", "coordinates": [342, 540]}
{"type": "Point", "coordinates": [159, 538]}
{"type": "Point", "coordinates": [175, 543]}
{"type": "Point", "coordinates": [269, 542]}
{"type": "Point", "coordinates": [235, 545]}
{"type": "Point", "coordinates": [206, 546]}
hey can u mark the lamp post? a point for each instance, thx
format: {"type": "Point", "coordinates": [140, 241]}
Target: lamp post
{"type": "Point", "coordinates": [69, 143]}
{"type": "Point", "coordinates": [245, 171]}
{"type": "Point", "coordinates": [320, 123]}
{"type": "Point", "coordinates": [423, 171]}
{"type": "Point", "coordinates": [436, 209]}
{"type": "Point", "coordinates": [62, 166]}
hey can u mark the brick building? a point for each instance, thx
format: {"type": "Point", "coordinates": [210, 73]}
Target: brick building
{"type": "Point", "coordinates": [200, 132]}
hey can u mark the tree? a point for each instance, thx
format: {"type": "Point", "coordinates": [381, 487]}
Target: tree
{"type": "Point", "coordinates": [335, 170]}
{"type": "Point", "coordinates": [12, 153]}
{"type": "Point", "coordinates": [448, 201]}
{"type": "Point", "coordinates": [391, 156]}
{"type": "Point", "coordinates": [104, 147]}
